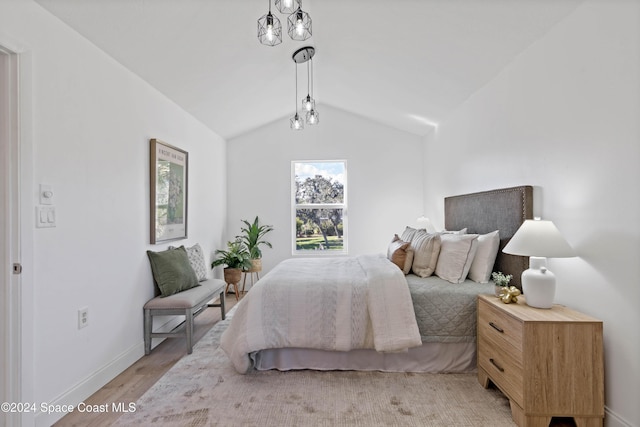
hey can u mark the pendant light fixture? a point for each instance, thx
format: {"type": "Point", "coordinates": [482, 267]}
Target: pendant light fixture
{"type": "Point", "coordinates": [299, 28]}
{"type": "Point", "coordinates": [269, 29]}
{"type": "Point", "coordinates": [312, 116]}
{"type": "Point", "coordinates": [302, 55]}
{"type": "Point", "coordinates": [296, 123]}
{"type": "Point", "coordinates": [299, 24]}
{"type": "Point", "coordinates": [287, 6]}
{"type": "Point", "coordinates": [308, 103]}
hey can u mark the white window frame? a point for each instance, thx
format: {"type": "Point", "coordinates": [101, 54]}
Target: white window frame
{"type": "Point", "coordinates": [295, 206]}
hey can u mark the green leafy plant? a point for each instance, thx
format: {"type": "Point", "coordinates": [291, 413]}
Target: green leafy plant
{"type": "Point", "coordinates": [252, 237]}
{"type": "Point", "coordinates": [236, 256]}
{"type": "Point", "coordinates": [500, 279]}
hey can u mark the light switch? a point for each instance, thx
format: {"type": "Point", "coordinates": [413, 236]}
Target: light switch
{"type": "Point", "coordinates": [45, 216]}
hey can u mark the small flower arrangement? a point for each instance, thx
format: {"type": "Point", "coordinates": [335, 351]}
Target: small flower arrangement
{"type": "Point", "coordinates": [500, 279]}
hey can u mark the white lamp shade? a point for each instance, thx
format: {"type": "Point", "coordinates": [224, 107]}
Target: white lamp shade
{"type": "Point", "coordinates": [538, 238]}
{"type": "Point", "coordinates": [424, 222]}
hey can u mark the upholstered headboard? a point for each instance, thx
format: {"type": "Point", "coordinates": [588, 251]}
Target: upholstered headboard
{"type": "Point", "coordinates": [503, 209]}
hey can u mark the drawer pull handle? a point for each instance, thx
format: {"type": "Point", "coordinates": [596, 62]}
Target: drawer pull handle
{"type": "Point", "coordinates": [493, 362]}
{"type": "Point", "coordinates": [494, 326]}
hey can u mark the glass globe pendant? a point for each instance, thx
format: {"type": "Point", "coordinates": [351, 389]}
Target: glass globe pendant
{"type": "Point", "coordinates": [296, 123]}
{"type": "Point", "coordinates": [313, 117]}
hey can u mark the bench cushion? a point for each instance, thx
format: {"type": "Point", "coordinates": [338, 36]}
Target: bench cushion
{"type": "Point", "coordinates": [189, 298]}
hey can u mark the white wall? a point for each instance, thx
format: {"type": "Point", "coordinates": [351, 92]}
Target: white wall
{"type": "Point", "coordinates": [384, 168]}
{"type": "Point", "coordinates": [564, 118]}
{"type": "Point", "coordinates": [87, 122]}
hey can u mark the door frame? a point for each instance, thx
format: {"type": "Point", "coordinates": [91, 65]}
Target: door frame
{"type": "Point", "coordinates": [10, 282]}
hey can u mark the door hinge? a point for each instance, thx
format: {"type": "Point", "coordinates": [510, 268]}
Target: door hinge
{"type": "Point", "coordinates": [17, 268]}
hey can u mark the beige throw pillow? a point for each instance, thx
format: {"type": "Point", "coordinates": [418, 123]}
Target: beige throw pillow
{"type": "Point", "coordinates": [426, 248]}
{"type": "Point", "coordinates": [400, 253]}
{"type": "Point", "coordinates": [456, 255]}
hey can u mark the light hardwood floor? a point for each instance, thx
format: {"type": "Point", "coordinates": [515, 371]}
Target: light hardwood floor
{"type": "Point", "coordinates": [130, 385]}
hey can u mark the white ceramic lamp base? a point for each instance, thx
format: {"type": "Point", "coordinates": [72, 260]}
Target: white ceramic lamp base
{"type": "Point", "coordinates": [538, 284]}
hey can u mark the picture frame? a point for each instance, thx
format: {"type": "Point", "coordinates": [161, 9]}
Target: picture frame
{"type": "Point", "coordinates": [169, 173]}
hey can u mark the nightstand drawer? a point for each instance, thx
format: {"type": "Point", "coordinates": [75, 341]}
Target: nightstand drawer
{"type": "Point", "coordinates": [504, 371]}
{"type": "Point", "coordinates": [499, 327]}
{"type": "Point", "coordinates": [497, 343]}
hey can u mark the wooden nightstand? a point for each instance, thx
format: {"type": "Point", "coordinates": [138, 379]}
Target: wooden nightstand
{"type": "Point", "coordinates": [548, 362]}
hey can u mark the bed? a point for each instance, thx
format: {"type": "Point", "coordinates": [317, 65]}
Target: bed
{"type": "Point", "coordinates": [365, 313]}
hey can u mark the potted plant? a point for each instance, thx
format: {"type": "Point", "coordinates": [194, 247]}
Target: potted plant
{"type": "Point", "coordinates": [236, 258]}
{"type": "Point", "coordinates": [253, 237]}
{"type": "Point", "coordinates": [501, 281]}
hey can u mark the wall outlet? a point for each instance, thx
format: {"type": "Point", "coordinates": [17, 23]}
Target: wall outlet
{"type": "Point", "coordinates": [83, 317]}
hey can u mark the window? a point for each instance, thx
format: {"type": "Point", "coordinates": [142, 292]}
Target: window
{"type": "Point", "coordinates": [319, 207]}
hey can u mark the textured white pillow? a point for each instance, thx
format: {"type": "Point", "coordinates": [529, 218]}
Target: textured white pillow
{"type": "Point", "coordinates": [426, 248]}
{"type": "Point", "coordinates": [409, 232]}
{"type": "Point", "coordinates": [482, 264]}
{"type": "Point", "coordinates": [456, 255]}
{"type": "Point", "coordinates": [196, 259]}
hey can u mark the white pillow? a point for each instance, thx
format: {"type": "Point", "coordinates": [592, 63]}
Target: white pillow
{"type": "Point", "coordinates": [463, 231]}
{"type": "Point", "coordinates": [482, 264]}
{"type": "Point", "coordinates": [456, 255]}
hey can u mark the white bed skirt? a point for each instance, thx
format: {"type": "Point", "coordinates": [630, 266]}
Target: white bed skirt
{"type": "Point", "coordinates": [430, 357]}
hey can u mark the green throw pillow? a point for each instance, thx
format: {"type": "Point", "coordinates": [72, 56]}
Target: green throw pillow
{"type": "Point", "coordinates": [172, 271]}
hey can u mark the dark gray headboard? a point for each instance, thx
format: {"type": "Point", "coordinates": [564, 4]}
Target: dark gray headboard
{"type": "Point", "coordinates": [503, 209]}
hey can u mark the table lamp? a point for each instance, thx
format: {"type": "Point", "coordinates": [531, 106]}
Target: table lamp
{"type": "Point", "coordinates": [424, 222]}
{"type": "Point", "coordinates": [538, 240]}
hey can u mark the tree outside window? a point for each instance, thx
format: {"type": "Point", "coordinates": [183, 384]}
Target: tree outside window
{"type": "Point", "coordinates": [319, 206]}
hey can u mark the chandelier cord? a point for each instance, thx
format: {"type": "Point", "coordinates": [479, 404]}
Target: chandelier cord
{"type": "Point", "coordinates": [311, 76]}
{"type": "Point", "coordinates": [308, 79]}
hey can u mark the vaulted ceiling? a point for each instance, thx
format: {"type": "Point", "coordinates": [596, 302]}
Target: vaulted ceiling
{"type": "Point", "coordinates": [404, 63]}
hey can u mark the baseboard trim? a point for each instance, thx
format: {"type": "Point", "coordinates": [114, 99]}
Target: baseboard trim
{"type": "Point", "coordinates": [102, 376]}
{"type": "Point", "coordinates": [91, 384]}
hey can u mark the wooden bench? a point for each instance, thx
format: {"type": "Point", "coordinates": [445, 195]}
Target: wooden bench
{"type": "Point", "coordinates": [187, 303]}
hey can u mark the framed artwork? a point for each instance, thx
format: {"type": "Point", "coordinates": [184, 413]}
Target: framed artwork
{"type": "Point", "coordinates": [169, 168]}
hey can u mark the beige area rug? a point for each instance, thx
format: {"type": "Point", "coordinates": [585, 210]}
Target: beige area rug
{"type": "Point", "coordinates": [203, 389]}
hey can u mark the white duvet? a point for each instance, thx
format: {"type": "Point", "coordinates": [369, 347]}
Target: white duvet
{"type": "Point", "coordinates": [336, 304]}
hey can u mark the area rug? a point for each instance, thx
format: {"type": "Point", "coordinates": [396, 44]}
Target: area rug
{"type": "Point", "coordinates": [203, 389]}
